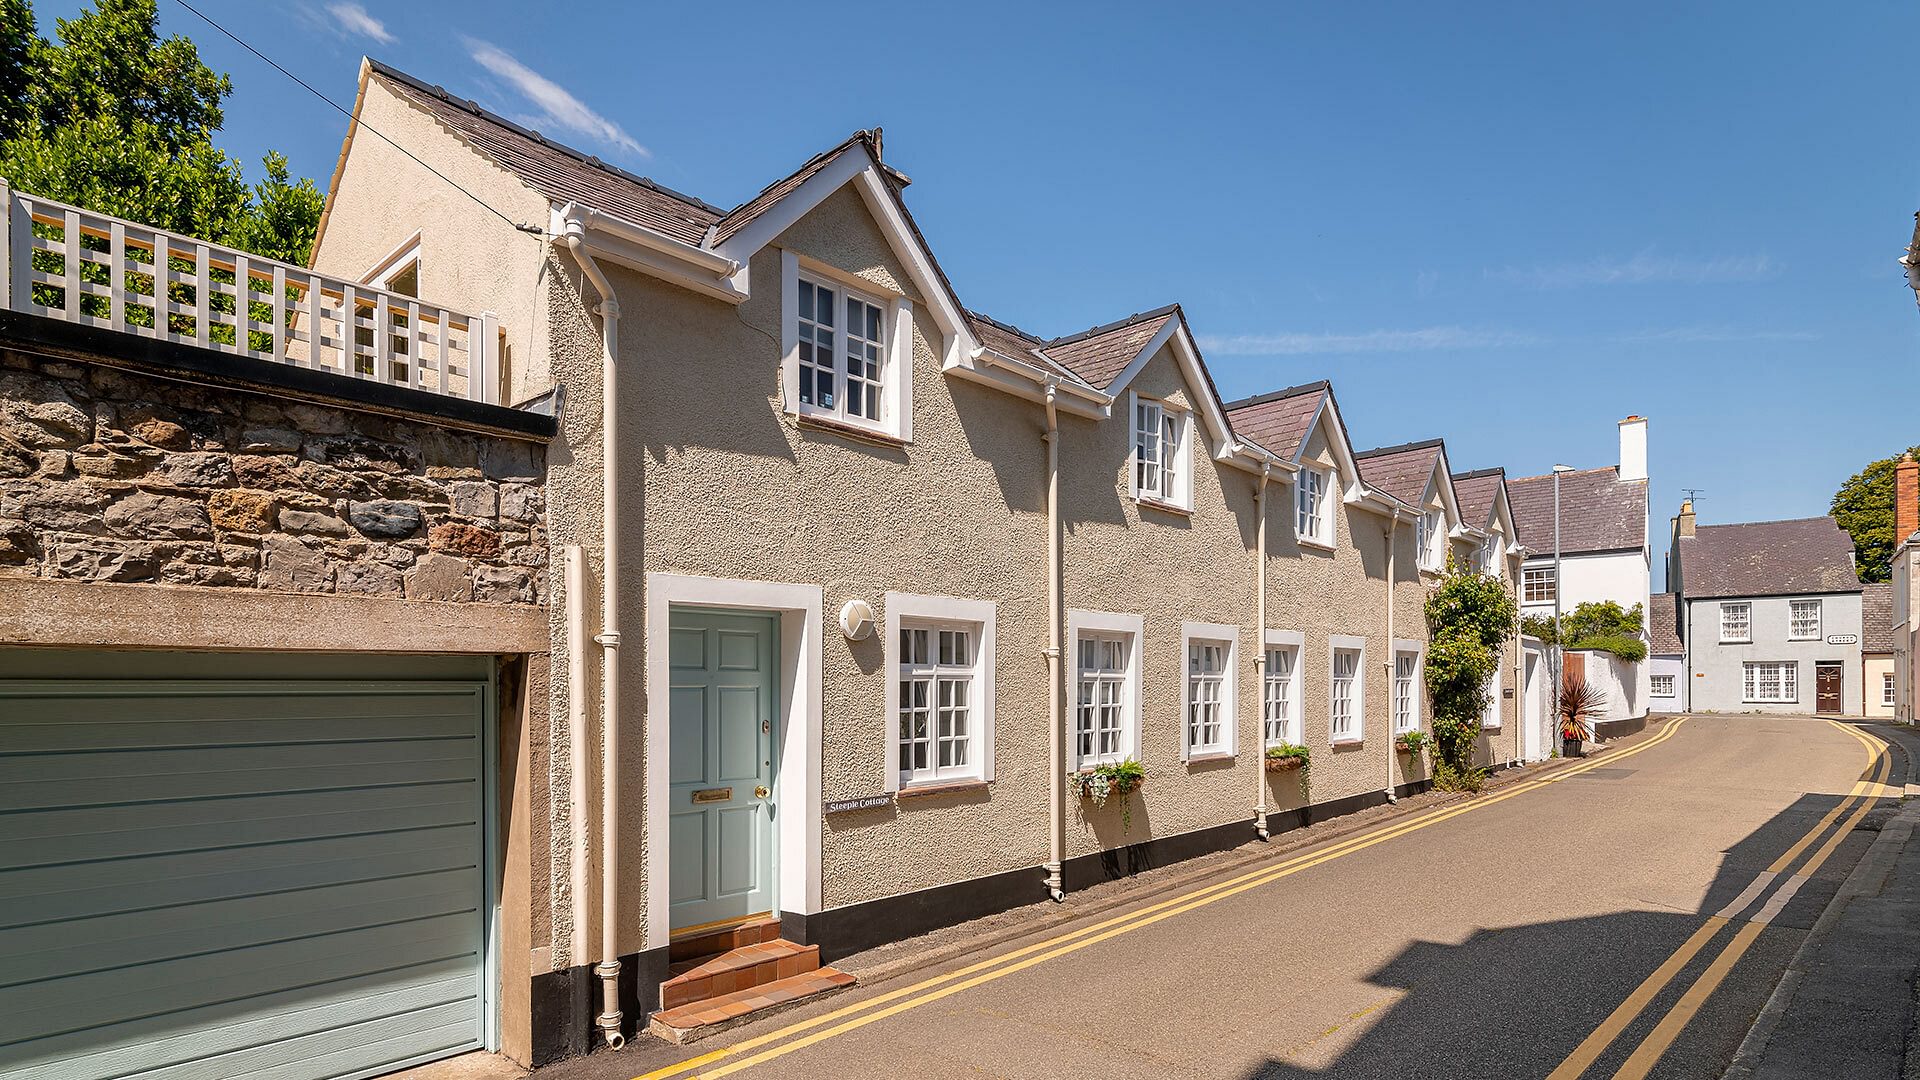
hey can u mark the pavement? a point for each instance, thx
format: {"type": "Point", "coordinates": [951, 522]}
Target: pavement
{"type": "Point", "coordinates": [1626, 916]}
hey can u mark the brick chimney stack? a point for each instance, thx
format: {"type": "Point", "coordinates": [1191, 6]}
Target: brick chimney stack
{"type": "Point", "coordinates": [1906, 499]}
{"type": "Point", "coordinates": [1683, 521]}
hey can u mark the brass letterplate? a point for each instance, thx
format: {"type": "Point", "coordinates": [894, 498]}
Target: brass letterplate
{"type": "Point", "coordinates": [713, 794]}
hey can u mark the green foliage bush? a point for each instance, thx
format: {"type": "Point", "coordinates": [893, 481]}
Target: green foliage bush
{"type": "Point", "coordinates": [1469, 617]}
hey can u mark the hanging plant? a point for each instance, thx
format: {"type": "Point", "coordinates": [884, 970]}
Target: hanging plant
{"type": "Point", "coordinates": [1285, 757]}
{"type": "Point", "coordinates": [1115, 780]}
{"type": "Point", "coordinates": [1411, 742]}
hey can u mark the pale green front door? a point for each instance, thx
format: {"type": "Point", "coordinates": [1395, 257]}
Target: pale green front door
{"type": "Point", "coordinates": [720, 807]}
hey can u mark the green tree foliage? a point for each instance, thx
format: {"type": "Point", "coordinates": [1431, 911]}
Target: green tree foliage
{"type": "Point", "coordinates": [1469, 617]}
{"type": "Point", "coordinates": [114, 118]}
{"type": "Point", "coordinates": [1602, 625]}
{"type": "Point", "coordinates": [1864, 507]}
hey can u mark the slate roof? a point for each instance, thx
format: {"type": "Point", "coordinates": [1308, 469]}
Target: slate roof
{"type": "Point", "coordinates": [1278, 421]}
{"type": "Point", "coordinates": [1663, 625]}
{"type": "Point", "coordinates": [558, 172]}
{"type": "Point", "coordinates": [1400, 471]}
{"type": "Point", "coordinates": [1099, 355]}
{"type": "Point", "coordinates": [1475, 492]}
{"type": "Point", "coordinates": [1598, 511]}
{"type": "Point", "coordinates": [1876, 618]}
{"type": "Point", "coordinates": [1768, 558]}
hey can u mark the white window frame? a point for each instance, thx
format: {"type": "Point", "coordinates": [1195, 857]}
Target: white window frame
{"type": "Point", "coordinates": [896, 363]}
{"type": "Point", "coordinates": [1290, 643]}
{"type": "Point", "coordinates": [1198, 634]}
{"type": "Point", "coordinates": [1657, 680]}
{"type": "Point", "coordinates": [1173, 469]}
{"type": "Point", "coordinates": [1889, 689]}
{"type": "Point", "coordinates": [935, 611]}
{"type": "Point", "coordinates": [1432, 540]}
{"type": "Point", "coordinates": [1788, 682]}
{"type": "Point", "coordinates": [1321, 485]}
{"type": "Point", "coordinates": [1744, 622]}
{"type": "Point", "coordinates": [1793, 618]}
{"type": "Point", "coordinates": [1528, 577]}
{"type": "Point", "coordinates": [1106, 624]}
{"type": "Point", "coordinates": [1487, 557]}
{"type": "Point", "coordinates": [1409, 719]}
{"type": "Point", "coordinates": [1337, 644]}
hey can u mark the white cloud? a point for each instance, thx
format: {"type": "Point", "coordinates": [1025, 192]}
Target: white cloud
{"type": "Point", "coordinates": [553, 106]}
{"type": "Point", "coordinates": [1686, 335]}
{"type": "Point", "coordinates": [1642, 269]}
{"type": "Point", "coordinates": [351, 18]}
{"type": "Point", "coordinates": [1428, 339]}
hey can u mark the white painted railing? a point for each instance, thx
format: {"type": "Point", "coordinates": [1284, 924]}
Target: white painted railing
{"type": "Point", "coordinates": [88, 268]}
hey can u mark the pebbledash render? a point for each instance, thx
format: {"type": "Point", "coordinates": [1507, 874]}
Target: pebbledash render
{"type": "Point", "coordinates": [837, 501]}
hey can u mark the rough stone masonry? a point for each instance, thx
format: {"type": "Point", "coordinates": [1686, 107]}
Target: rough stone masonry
{"type": "Point", "coordinates": [107, 475]}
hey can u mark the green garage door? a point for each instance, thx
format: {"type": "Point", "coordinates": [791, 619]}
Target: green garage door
{"type": "Point", "coordinates": [219, 878]}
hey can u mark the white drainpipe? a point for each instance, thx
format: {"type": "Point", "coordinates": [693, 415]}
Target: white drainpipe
{"type": "Point", "coordinates": [1260, 654]}
{"type": "Point", "coordinates": [577, 740]}
{"type": "Point", "coordinates": [609, 638]}
{"type": "Point", "coordinates": [1056, 714]}
{"type": "Point", "coordinates": [1393, 526]}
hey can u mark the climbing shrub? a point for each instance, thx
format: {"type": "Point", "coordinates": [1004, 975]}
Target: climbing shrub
{"type": "Point", "coordinates": [1469, 617]}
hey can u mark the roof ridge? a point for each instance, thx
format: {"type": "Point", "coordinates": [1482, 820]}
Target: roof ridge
{"type": "Point", "coordinates": [1007, 326]}
{"type": "Point", "coordinates": [1478, 473]}
{"type": "Point", "coordinates": [473, 107]}
{"type": "Point", "coordinates": [1829, 518]}
{"type": "Point", "coordinates": [1379, 451]}
{"type": "Point", "coordinates": [1576, 472]}
{"type": "Point", "coordinates": [1278, 395]}
{"type": "Point", "coordinates": [1136, 317]}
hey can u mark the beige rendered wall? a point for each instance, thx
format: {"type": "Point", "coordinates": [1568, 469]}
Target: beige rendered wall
{"type": "Point", "coordinates": [1875, 668]}
{"type": "Point", "coordinates": [470, 259]}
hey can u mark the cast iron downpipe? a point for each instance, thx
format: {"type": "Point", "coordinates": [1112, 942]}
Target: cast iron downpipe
{"type": "Point", "coordinates": [1056, 700]}
{"type": "Point", "coordinates": [1393, 658]}
{"type": "Point", "coordinates": [608, 969]}
{"type": "Point", "coordinates": [1260, 652]}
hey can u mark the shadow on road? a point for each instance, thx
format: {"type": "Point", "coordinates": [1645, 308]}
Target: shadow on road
{"type": "Point", "coordinates": [1515, 1002]}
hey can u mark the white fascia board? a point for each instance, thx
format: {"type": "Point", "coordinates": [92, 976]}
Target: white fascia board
{"type": "Point", "coordinates": [1250, 458]}
{"type": "Point", "coordinates": [1443, 479]}
{"type": "Point", "coordinates": [640, 248]}
{"type": "Point", "coordinates": [1021, 386]}
{"type": "Point", "coordinates": [1352, 489]}
{"type": "Point", "coordinates": [857, 167]}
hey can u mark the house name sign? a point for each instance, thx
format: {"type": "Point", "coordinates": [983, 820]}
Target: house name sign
{"type": "Point", "coordinates": [1842, 639]}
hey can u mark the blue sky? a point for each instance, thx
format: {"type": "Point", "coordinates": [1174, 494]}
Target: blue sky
{"type": "Point", "coordinates": [1509, 226]}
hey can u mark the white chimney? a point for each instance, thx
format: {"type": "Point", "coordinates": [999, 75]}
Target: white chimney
{"type": "Point", "coordinates": [1633, 448]}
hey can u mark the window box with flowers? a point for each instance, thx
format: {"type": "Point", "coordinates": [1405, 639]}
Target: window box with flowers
{"type": "Point", "coordinates": [1286, 757]}
{"type": "Point", "coordinates": [1114, 780]}
{"type": "Point", "coordinates": [1411, 742]}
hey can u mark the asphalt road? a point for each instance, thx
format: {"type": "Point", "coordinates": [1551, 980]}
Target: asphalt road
{"type": "Point", "coordinates": [1498, 937]}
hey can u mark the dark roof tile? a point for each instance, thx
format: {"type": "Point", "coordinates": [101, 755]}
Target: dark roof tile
{"type": "Point", "coordinates": [1400, 471]}
{"type": "Point", "coordinates": [1663, 625]}
{"type": "Point", "coordinates": [1876, 618]}
{"type": "Point", "coordinates": [1099, 355]}
{"type": "Point", "coordinates": [1475, 492]}
{"type": "Point", "coordinates": [1278, 421]}
{"type": "Point", "coordinates": [1598, 511]}
{"type": "Point", "coordinates": [1768, 558]}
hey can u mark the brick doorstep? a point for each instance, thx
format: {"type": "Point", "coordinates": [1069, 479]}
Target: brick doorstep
{"type": "Point", "coordinates": [716, 1014]}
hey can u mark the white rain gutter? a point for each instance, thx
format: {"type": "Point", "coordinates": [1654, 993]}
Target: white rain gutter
{"type": "Point", "coordinates": [1056, 712]}
{"type": "Point", "coordinates": [1038, 374]}
{"type": "Point", "coordinates": [608, 969]}
{"type": "Point", "coordinates": [578, 738]}
{"type": "Point", "coordinates": [1260, 654]}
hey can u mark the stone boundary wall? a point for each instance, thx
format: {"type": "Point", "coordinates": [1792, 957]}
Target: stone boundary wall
{"type": "Point", "coordinates": [108, 475]}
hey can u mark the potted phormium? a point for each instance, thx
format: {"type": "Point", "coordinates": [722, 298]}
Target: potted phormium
{"type": "Point", "coordinates": [1114, 780]}
{"type": "Point", "coordinates": [1580, 702]}
{"type": "Point", "coordinates": [1285, 757]}
{"type": "Point", "coordinates": [1411, 742]}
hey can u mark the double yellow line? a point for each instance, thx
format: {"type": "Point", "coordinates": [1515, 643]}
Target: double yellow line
{"type": "Point", "coordinates": [762, 1048]}
{"type": "Point", "coordinates": [1657, 1042]}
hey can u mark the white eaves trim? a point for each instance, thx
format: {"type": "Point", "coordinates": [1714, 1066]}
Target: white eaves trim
{"type": "Point", "coordinates": [1207, 404]}
{"type": "Point", "coordinates": [637, 247]}
{"type": "Point", "coordinates": [1352, 490]}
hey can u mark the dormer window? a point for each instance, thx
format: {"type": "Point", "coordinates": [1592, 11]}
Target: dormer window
{"type": "Point", "coordinates": [1313, 506]}
{"type": "Point", "coordinates": [1432, 542]}
{"type": "Point", "coordinates": [840, 355]}
{"type": "Point", "coordinates": [847, 359]}
{"type": "Point", "coordinates": [1161, 453]}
